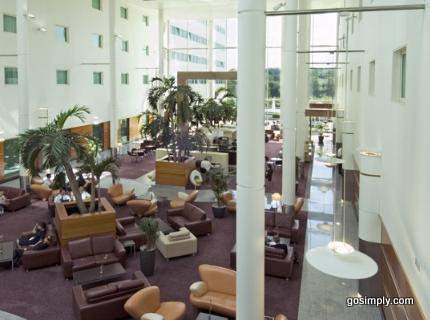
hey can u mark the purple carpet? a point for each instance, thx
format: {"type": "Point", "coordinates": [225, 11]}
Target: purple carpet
{"type": "Point", "coordinates": [131, 169]}
{"type": "Point", "coordinates": [45, 294]}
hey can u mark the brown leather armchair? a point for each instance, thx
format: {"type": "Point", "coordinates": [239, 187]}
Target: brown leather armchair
{"type": "Point", "coordinates": [126, 229]}
{"type": "Point", "coordinates": [118, 196]}
{"type": "Point", "coordinates": [147, 301]}
{"type": "Point", "coordinates": [282, 224]}
{"type": "Point", "coordinates": [216, 291]}
{"type": "Point", "coordinates": [107, 301]}
{"type": "Point", "coordinates": [142, 208]}
{"type": "Point", "coordinates": [91, 252]}
{"type": "Point", "coordinates": [15, 198]}
{"type": "Point", "coordinates": [229, 202]}
{"type": "Point", "coordinates": [33, 259]}
{"type": "Point", "coordinates": [190, 217]}
{"type": "Point", "coordinates": [183, 198]}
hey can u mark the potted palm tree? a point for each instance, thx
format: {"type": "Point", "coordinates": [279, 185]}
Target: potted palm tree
{"type": "Point", "coordinates": [218, 182]}
{"type": "Point", "coordinates": [149, 227]}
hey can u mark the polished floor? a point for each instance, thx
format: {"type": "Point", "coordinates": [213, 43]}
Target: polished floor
{"type": "Point", "coordinates": [322, 297]}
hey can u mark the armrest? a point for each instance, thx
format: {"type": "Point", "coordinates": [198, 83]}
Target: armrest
{"type": "Point", "coordinates": [126, 220]}
{"type": "Point", "coordinates": [198, 288]}
{"type": "Point", "coordinates": [79, 296]}
{"type": "Point", "coordinates": [139, 275]}
{"type": "Point", "coordinates": [119, 249]}
{"type": "Point", "coordinates": [67, 262]}
{"type": "Point", "coordinates": [174, 212]}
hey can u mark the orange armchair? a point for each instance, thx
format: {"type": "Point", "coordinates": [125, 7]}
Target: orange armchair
{"type": "Point", "coordinates": [182, 198]}
{"type": "Point", "coordinates": [147, 301]}
{"type": "Point", "coordinates": [228, 200]}
{"type": "Point", "coordinates": [142, 208]}
{"type": "Point", "coordinates": [118, 196]}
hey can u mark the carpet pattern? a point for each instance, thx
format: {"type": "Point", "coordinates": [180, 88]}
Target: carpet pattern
{"type": "Point", "coordinates": [45, 294]}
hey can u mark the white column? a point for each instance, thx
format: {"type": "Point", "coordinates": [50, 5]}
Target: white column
{"type": "Point", "coordinates": [113, 5]}
{"type": "Point", "coordinates": [250, 158]}
{"type": "Point", "coordinates": [369, 228]}
{"type": "Point", "coordinates": [22, 59]}
{"type": "Point", "coordinates": [161, 30]}
{"type": "Point", "coordinates": [303, 82]}
{"type": "Point", "coordinates": [210, 55]}
{"type": "Point", "coordinates": [289, 103]}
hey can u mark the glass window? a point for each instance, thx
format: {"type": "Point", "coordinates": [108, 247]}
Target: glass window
{"type": "Point", "coordinates": [11, 156]}
{"type": "Point", "coordinates": [124, 78]}
{"type": "Point", "coordinates": [96, 4]}
{"type": "Point", "coordinates": [351, 79]}
{"type": "Point", "coordinates": [145, 79]}
{"type": "Point", "coordinates": [146, 50]}
{"type": "Point", "coordinates": [358, 79]}
{"type": "Point", "coordinates": [124, 45]}
{"type": "Point", "coordinates": [124, 130]}
{"type": "Point", "coordinates": [11, 75]}
{"type": "Point", "coordinates": [97, 40]}
{"type": "Point", "coordinates": [146, 20]}
{"type": "Point", "coordinates": [372, 70]}
{"type": "Point", "coordinates": [97, 77]}
{"type": "Point", "coordinates": [399, 74]}
{"type": "Point", "coordinates": [62, 77]}
{"type": "Point", "coordinates": [98, 133]}
{"type": "Point", "coordinates": [123, 12]}
{"type": "Point", "coordinates": [62, 33]}
{"type": "Point", "coordinates": [9, 23]}
{"type": "Point", "coordinates": [403, 75]}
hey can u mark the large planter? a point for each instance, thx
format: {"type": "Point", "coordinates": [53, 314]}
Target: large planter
{"type": "Point", "coordinates": [72, 225]}
{"type": "Point", "coordinates": [173, 173]}
{"type": "Point", "coordinates": [219, 212]}
{"type": "Point", "coordinates": [147, 261]}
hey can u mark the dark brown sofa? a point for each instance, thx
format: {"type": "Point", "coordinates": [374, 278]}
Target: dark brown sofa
{"type": "Point", "coordinates": [107, 301]}
{"type": "Point", "coordinates": [32, 259]}
{"type": "Point", "coordinates": [190, 217]}
{"type": "Point", "coordinates": [277, 263]}
{"type": "Point", "coordinates": [282, 224]}
{"type": "Point", "coordinates": [15, 198]}
{"type": "Point", "coordinates": [127, 229]}
{"type": "Point", "coordinates": [91, 252]}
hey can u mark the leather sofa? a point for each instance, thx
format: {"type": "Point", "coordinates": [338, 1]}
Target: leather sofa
{"type": "Point", "coordinates": [146, 302]}
{"type": "Point", "coordinates": [277, 262]}
{"type": "Point", "coordinates": [88, 253]}
{"type": "Point", "coordinates": [282, 224]}
{"type": "Point", "coordinates": [118, 195]}
{"type": "Point", "coordinates": [33, 259]}
{"type": "Point", "coordinates": [107, 301]}
{"type": "Point", "coordinates": [126, 229]}
{"type": "Point", "coordinates": [177, 244]}
{"type": "Point", "coordinates": [183, 198]}
{"type": "Point", "coordinates": [216, 291]}
{"type": "Point", "coordinates": [15, 198]}
{"type": "Point", "coordinates": [190, 217]}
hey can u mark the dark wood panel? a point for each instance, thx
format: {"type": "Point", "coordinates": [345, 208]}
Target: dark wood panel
{"type": "Point", "coordinates": [106, 135]}
{"type": "Point", "coordinates": [86, 130]}
{"type": "Point", "coordinates": [134, 132]}
{"type": "Point", "coordinates": [320, 113]}
{"type": "Point", "coordinates": [2, 164]}
{"type": "Point", "coordinates": [321, 105]}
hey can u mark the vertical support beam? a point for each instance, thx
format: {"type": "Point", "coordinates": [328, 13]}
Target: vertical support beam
{"type": "Point", "coordinates": [250, 153]}
{"type": "Point", "coordinates": [210, 54]}
{"type": "Point", "coordinates": [161, 30]}
{"type": "Point", "coordinates": [289, 104]}
{"type": "Point", "coordinates": [113, 5]}
{"type": "Point", "coordinates": [22, 58]}
{"type": "Point", "coordinates": [303, 82]}
{"type": "Point", "coordinates": [370, 226]}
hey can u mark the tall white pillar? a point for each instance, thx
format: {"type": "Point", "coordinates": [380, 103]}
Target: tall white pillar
{"type": "Point", "coordinates": [289, 103]}
{"type": "Point", "coordinates": [210, 55]}
{"type": "Point", "coordinates": [22, 61]}
{"type": "Point", "coordinates": [250, 158]}
{"type": "Point", "coordinates": [161, 30]}
{"type": "Point", "coordinates": [303, 82]}
{"type": "Point", "coordinates": [113, 5]}
{"type": "Point", "coordinates": [369, 228]}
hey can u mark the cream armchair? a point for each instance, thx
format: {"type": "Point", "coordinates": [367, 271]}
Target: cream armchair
{"type": "Point", "coordinates": [177, 244]}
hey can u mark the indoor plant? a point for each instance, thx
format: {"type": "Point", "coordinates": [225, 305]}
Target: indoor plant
{"type": "Point", "coordinates": [149, 227]}
{"type": "Point", "coordinates": [218, 182]}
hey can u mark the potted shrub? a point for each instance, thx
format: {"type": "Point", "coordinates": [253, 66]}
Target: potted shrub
{"type": "Point", "coordinates": [320, 127]}
{"type": "Point", "coordinates": [149, 227]}
{"type": "Point", "coordinates": [218, 182]}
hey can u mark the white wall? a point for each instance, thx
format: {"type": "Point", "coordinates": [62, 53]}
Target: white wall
{"type": "Point", "coordinates": [399, 130]}
{"type": "Point", "coordinates": [81, 58]}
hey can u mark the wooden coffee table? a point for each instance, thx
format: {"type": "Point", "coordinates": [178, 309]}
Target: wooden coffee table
{"type": "Point", "coordinates": [207, 316]}
{"type": "Point", "coordinates": [94, 275]}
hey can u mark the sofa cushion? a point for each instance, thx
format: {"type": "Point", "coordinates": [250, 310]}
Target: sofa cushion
{"type": "Point", "coordinates": [179, 220]}
{"type": "Point", "coordinates": [272, 252]}
{"type": "Point", "coordinates": [152, 316]}
{"type": "Point", "coordinates": [179, 235]}
{"type": "Point", "coordinates": [126, 285]}
{"type": "Point", "coordinates": [84, 263]}
{"type": "Point", "coordinates": [99, 293]}
{"type": "Point", "coordinates": [198, 288]}
{"type": "Point", "coordinates": [120, 229]}
{"type": "Point", "coordinates": [284, 220]}
{"type": "Point", "coordinates": [269, 219]}
{"type": "Point", "coordinates": [80, 248]}
{"type": "Point", "coordinates": [106, 258]}
{"type": "Point", "coordinates": [116, 190]}
{"type": "Point", "coordinates": [103, 244]}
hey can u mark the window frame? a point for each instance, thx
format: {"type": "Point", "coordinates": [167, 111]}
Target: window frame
{"type": "Point", "coordinates": [125, 46]}
{"type": "Point", "coordinates": [5, 78]}
{"type": "Point", "coordinates": [66, 34]}
{"type": "Point", "coordinates": [125, 78]}
{"type": "Point", "coordinates": [372, 78]}
{"type": "Point", "coordinates": [6, 15]}
{"type": "Point", "coordinates": [98, 73]}
{"type": "Point", "coordinates": [123, 12]}
{"type": "Point", "coordinates": [358, 78]}
{"type": "Point", "coordinates": [399, 75]}
{"type": "Point", "coordinates": [67, 77]}
{"type": "Point", "coordinates": [99, 7]}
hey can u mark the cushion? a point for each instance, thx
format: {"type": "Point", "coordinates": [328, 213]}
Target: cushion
{"type": "Point", "coordinates": [198, 288]}
{"type": "Point", "coordinates": [284, 220]}
{"type": "Point", "coordinates": [130, 284]}
{"type": "Point", "coordinates": [152, 316]}
{"type": "Point", "coordinates": [116, 190]}
{"type": "Point", "coordinates": [182, 195]}
{"type": "Point", "coordinates": [106, 258]}
{"type": "Point", "coordinates": [80, 248]}
{"type": "Point", "coordinates": [103, 244]}
{"type": "Point", "coordinates": [120, 229]}
{"type": "Point", "coordinates": [275, 252]}
{"type": "Point", "coordinates": [97, 293]}
{"type": "Point", "coordinates": [84, 263]}
{"type": "Point", "coordinates": [179, 235]}
{"type": "Point", "coordinates": [178, 238]}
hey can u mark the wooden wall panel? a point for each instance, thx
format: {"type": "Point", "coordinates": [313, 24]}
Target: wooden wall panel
{"type": "Point", "coordinates": [2, 164]}
{"type": "Point", "coordinates": [83, 130]}
{"type": "Point", "coordinates": [106, 135]}
{"type": "Point", "coordinates": [134, 126]}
